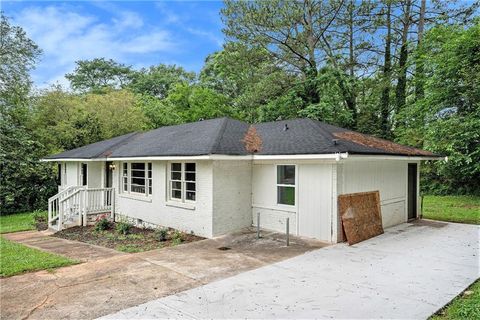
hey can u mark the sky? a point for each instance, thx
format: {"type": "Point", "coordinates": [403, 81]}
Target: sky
{"type": "Point", "coordinates": [139, 34]}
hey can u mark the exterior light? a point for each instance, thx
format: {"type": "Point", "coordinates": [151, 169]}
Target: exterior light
{"type": "Point", "coordinates": [111, 166]}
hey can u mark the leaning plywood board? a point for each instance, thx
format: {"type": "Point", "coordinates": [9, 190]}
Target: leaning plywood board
{"type": "Point", "coordinates": [361, 215]}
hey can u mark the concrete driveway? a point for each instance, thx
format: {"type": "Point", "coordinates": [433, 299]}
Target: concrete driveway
{"type": "Point", "coordinates": [110, 281]}
{"type": "Point", "coordinates": [409, 272]}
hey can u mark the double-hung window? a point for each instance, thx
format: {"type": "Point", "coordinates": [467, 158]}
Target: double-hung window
{"type": "Point", "coordinates": [286, 184]}
{"type": "Point", "coordinates": [182, 184]}
{"type": "Point", "coordinates": [137, 177]}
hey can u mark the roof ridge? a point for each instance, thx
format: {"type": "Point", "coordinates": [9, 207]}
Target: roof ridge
{"type": "Point", "coordinates": [122, 141]}
{"type": "Point", "coordinates": [219, 135]}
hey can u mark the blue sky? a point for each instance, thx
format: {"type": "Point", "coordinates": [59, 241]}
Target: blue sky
{"type": "Point", "coordinates": [139, 34]}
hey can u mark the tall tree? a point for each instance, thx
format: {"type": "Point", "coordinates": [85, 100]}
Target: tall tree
{"type": "Point", "coordinates": [401, 89]}
{"type": "Point", "coordinates": [98, 75]}
{"type": "Point", "coordinates": [291, 31]}
{"type": "Point", "coordinates": [387, 70]}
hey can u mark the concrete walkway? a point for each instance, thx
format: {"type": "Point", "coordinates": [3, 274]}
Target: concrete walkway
{"type": "Point", "coordinates": [76, 250]}
{"type": "Point", "coordinates": [104, 285]}
{"type": "Point", "coordinates": [411, 271]}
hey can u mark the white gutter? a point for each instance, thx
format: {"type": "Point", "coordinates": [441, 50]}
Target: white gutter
{"type": "Point", "coordinates": [335, 156]}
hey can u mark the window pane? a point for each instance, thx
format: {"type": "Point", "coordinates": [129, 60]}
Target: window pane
{"type": "Point", "coordinates": [138, 174]}
{"type": "Point", "coordinates": [176, 194]}
{"type": "Point", "coordinates": [189, 166]}
{"type": "Point", "coordinates": [190, 176]}
{"type": "Point", "coordinates": [138, 189]}
{"type": "Point", "coordinates": [138, 166]}
{"type": "Point", "coordinates": [286, 175]}
{"type": "Point", "coordinates": [150, 189]}
{"type": "Point", "coordinates": [176, 175]}
{"type": "Point", "coordinates": [286, 195]}
{"type": "Point", "coordinates": [138, 181]}
{"type": "Point", "coordinates": [190, 186]}
{"type": "Point", "coordinates": [176, 167]}
{"type": "Point", "coordinates": [190, 195]}
{"type": "Point", "coordinates": [176, 185]}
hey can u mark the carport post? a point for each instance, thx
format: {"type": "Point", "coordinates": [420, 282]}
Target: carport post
{"type": "Point", "coordinates": [258, 225]}
{"type": "Point", "coordinates": [288, 231]}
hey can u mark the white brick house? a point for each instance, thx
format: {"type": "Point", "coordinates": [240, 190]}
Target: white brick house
{"type": "Point", "coordinates": [199, 177]}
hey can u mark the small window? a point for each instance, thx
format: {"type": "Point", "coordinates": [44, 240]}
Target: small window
{"type": "Point", "coordinates": [149, 178]}
{"type": "Point", "coordinates": [182, 182]}
{"type": "Point", "coordinates": [286, 184]}
{"type": "Point", "coordinates": [137, 177]}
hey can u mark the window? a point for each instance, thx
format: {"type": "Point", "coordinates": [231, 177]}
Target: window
{"type": "Point", "coordinates": [286, 184]}
{"type": "Point", "coordinates": [83, 173]}
{"type": "Point", "coordinates": [137, 177]}
{"type": "Point", "coordinates": [183, 186]}
{"type": "Point", "coordinates": [59, 174]}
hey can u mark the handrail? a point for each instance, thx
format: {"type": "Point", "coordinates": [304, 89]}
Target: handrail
{"type": "Point", "coordinates": [79, 201]}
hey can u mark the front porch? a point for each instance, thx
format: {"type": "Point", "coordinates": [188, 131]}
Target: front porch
{"type": "Point", "coordinates": [76, 205]}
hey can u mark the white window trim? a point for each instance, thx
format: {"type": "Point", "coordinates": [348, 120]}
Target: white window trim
{"type": "Point", "coordinates": [286, 206]}
{"type": "Point", "coordinates": [129, 191]}
{"type": "Point", "coordinates": [183, 182]}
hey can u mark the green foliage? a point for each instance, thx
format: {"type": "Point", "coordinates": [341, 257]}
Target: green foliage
{"type": "Point", "coordinates": [102, 224]}
{"type": "Point", "coordinates": [98, 75]}
{"type": "Point", "coordinates": [176, 238]}
{"type": "Point", "coordinates": [123, 227]}
{"type": "Point", "coordinates": [158, 80]}
{"type": "Point", "coordinates": [447, 120]}
{"type": "Point", "coordinates": [462, 209]}
{"type": "Point", "coordinates": [162, 234]}
{"type": "Point", "coordinates": [17, 258]}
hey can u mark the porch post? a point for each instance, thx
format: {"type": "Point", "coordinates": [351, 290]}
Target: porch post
{"type": "Point", "coordinates": [112, 202]}
{"type": "Point", "coordinates": [84, 211]}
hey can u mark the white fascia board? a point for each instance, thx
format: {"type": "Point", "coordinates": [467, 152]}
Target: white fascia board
{"type": "Point", "coordinates": [386, 157]}
{"type": "Point", "coordinates": [73, 160]}
{"type": "Point", "coordinates": [336, 156]}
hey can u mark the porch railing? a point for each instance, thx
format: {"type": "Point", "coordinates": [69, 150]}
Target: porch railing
{"type": "Point", "coordinates": [72, 205]}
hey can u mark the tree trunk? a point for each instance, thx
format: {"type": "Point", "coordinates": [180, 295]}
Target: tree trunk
{"type": "Point", "coordinates": [387, 69]}
{"type": "Point", "coordinates": [401, 92]}
{"type": "Point", "coordinates": [311, 73]}
{"type": "Point", "coordinates": [419, 74]}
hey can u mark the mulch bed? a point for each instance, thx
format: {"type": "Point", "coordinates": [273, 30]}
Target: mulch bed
{"type": "Point", "coordinates": [136, 240]}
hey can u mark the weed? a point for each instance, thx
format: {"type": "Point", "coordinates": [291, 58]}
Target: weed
{"type": "Point", "coordinates": [161, 234]}
{"type": "Point", "coordinates": [124, 227]}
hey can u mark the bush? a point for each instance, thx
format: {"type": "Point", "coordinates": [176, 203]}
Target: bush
{"type": "Point", "coordinates": [162, 234]}
{"type": "Point", "coordinates": [123, 227]}
{"type": "Point", "coordinates": [40, 216]}
{"type": "Point", "coordinates": [102, 223]}
{"type": "Point", "coordinates": [177, 237]}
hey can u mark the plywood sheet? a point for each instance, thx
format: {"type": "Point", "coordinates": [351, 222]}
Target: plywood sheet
{"type": "Point", "coordinates": [361, 215]}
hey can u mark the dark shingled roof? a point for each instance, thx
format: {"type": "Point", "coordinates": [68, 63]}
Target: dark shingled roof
{"type": "Point", "coordinates": [226, 136]}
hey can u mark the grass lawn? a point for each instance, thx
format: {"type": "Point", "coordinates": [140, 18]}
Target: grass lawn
{"type": "Point", "coordinates": [16, 222]}
{"type": "Point", "coordinates": [17, 258]}
{"type": "Point", "coordinates": [465, 306]}
{"type": "Point", "coordinates": [464, 209]}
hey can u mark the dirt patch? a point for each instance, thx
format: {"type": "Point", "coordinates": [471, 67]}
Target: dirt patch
{"type": "Point", "coordinates": [136, 240]}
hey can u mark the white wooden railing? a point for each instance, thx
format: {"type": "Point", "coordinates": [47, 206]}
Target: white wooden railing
{"type": "Point", "coordinates": [72, 205]}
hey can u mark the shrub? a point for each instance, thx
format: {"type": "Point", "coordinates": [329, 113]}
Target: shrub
{"type": "Point", "coordinates": [123, 227]}
{"type": "Point", "coordinates": [162, 234]}
{"type": "Point", "coordinates": [102, 223]}
{"type": "Point", "coordinates": [40, 216]}
{"type": "Point", "coordinates": [177, 237]}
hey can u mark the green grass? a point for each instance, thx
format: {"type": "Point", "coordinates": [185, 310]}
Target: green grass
{"type": "Point", "coordinates": [465, 306]}
{"type": "Point", "coordinates": [16, 222]}
{"type": "Point", "coordinates": [463, 209]}
{"type": "Point", "coordinates": [16, 258]}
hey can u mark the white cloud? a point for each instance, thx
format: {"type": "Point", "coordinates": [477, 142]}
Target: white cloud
{"type": "Point", "coordinates": [207, 34]}
{"type": "Point", "coordinates": [67, 35]}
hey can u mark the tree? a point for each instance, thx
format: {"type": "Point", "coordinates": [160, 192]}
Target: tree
{"type": "Point", "coordinates": [25, 183]}
{"type": "Point", "coordinates": [98, 75]}
{"type": "Point", "coordinates": [292, 32]}
{"type": "Point", "coordinates": [447, 119]}
{"type": "Point", "coordinates": [248, 76]}
{"type": "Point", "coordinates": [157, 80]}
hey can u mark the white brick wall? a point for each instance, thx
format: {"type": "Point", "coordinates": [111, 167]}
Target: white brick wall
{"type": "Point", "coordinates": [232, 191]}
{"type": "Point", "coordinates": [160, 211]}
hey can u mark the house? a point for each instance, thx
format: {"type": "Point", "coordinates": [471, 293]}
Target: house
{"type": "Point", "coordinates": [212, 177]}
